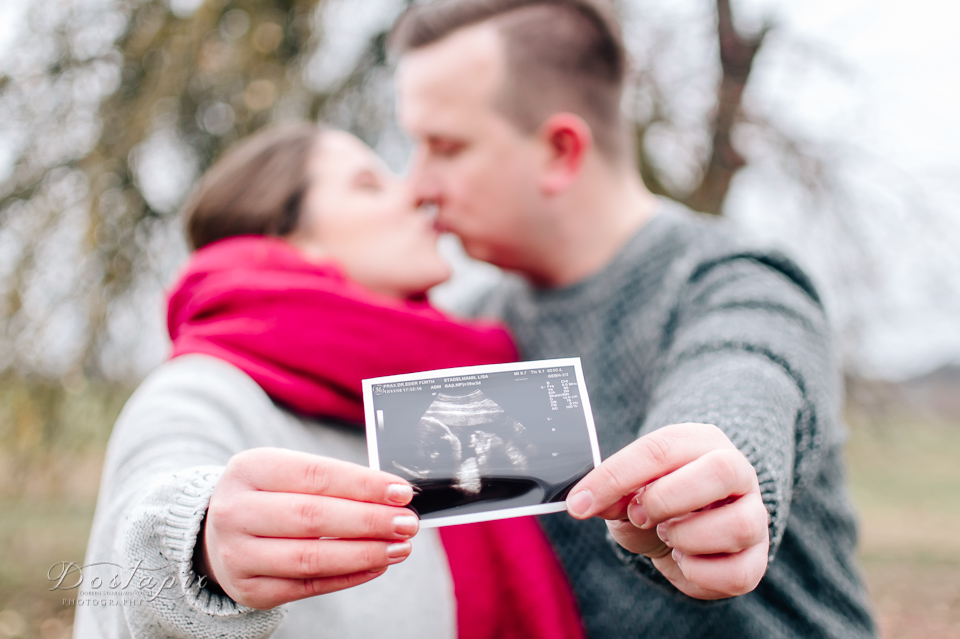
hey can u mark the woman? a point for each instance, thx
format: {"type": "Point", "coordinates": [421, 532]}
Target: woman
{"type": "Point", "coordinates": [234, 480]}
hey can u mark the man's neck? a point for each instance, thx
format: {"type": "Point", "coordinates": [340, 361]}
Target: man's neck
{"type": "Point", "coordinates": [597, 221]}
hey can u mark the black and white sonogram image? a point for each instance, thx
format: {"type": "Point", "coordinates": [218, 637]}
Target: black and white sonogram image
{"type": "Point", "coordinates": [481, 442]}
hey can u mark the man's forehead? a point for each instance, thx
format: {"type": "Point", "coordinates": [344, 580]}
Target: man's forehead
{"type": "Point", "coordinates": [461, 71]}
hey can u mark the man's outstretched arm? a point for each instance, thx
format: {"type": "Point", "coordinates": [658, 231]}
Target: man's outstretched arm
{"type": "Point", "coordinates": [735, 425]}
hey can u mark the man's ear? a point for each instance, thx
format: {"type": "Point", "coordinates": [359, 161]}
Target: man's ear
{"type": "Point", "coordinates": [568, 140]}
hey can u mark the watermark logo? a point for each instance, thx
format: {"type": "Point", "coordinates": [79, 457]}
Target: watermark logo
{"type": "Point", "coordinates": [111, 584]}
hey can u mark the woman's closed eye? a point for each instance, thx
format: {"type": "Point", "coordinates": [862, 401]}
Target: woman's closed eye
{"type": "Point", "coordinates": [367, 180]}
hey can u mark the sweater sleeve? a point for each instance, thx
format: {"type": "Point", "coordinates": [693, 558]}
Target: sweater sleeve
{"type": "Point", "coordinates": [747, 349]}
{"type": "Point", "coordinates": [166, 453]}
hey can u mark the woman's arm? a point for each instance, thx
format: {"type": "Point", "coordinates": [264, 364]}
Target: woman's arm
{"type": "Point", "coordinates": [177, 448]}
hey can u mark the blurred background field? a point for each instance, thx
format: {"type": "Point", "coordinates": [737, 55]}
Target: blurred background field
{"type": "Point", "coordinates": [827, 128]}
{"type": "Point", "coordinates": [904, 470]}
{"type": "Point", "coordinates": [904, 461]}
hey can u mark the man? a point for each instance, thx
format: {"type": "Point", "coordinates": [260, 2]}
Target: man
{"type": "Point", "coordinates": [709, 368]}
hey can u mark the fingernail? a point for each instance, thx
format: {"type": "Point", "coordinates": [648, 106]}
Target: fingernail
{"type": "Point", "coordinates": [677, 555]}
{"type": "Point", "coordinates": [579, 505]}
{"type": "Point", "coordinates": [406, 525]}
{"type": "Point", "coordinates": [400, 493]}
{"type": "Point", "coordinates": [662, 533]}
{"type": "Point", "coordinates": [376, 571]}
{"type": "Point", "coordinates": [398, 550]}
{"type": "Point", "coordinates": [637, 515]}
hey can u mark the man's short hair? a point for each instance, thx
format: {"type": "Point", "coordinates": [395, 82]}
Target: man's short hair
{"type": "Point", "coordinates": [561, 55]}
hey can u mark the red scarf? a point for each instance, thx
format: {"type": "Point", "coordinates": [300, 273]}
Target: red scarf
{"type": "Point", "coordinates": [308, 336]}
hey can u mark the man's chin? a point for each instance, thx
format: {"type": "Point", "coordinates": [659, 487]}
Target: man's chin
{"type": "Point", "coordinates": [478, 250]}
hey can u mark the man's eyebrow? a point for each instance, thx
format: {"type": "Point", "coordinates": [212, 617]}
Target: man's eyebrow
{"type": "Point", "coordinates": [445, 140]}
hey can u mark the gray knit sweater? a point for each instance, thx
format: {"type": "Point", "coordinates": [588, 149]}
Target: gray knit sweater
{"type": "Point", "coordinates": [688, 325]}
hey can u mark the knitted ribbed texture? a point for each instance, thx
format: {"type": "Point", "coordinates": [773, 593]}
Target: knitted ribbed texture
{"type": "Point", "coordinates": [688, 325]}
{"type": "Point", "coordinates": [180, 502]}
{"type": "Point", "coordinates": [166, 454]}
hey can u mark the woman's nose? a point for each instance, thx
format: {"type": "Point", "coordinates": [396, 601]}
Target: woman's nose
{"type": "Point", "coordinates": [416, 202]}
{"type": "Point", "coordinates": [402, 194]}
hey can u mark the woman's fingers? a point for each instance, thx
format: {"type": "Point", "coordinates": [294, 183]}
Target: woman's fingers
{"type": "Point", "coordinates": [292, 515]}
{"type": "Point", "coordinates": [315, 558]}
{"type": "Point", "coordinates": [264, 593]}
{"type": "Point", "coordinates": [731, 528]}
{"type": "Point", "coordinates": [284, 525]}
{"type": "Point", "coordinates": [289, 471]}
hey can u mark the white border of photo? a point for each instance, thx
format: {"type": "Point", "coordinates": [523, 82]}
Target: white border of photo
{"type": "Point", "coordinates": [490, 515]}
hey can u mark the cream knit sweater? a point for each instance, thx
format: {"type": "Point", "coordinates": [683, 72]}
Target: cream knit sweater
{"type": "Point", "coordinates": [167, 451]}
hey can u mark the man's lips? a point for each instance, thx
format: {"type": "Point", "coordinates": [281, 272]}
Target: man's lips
{"type": "Point", "coordinates": [442, 225]}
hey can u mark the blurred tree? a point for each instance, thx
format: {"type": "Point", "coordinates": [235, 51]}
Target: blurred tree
{"type": "Point", "coordinates": [106, 100]}
{"type": "Point", "coordinates": [736, 56]}
{"type": "Point", "coordinates": [114, 107]}
{"type": "Point", "coordinates": [170, 83]}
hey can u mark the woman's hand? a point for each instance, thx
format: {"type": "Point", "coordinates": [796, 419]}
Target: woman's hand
{"type": "Point", "coordinates": [284, 525]}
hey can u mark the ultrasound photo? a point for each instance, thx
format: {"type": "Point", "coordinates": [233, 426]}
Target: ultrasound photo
{"type": "Point", "coordinates": [483, 442]}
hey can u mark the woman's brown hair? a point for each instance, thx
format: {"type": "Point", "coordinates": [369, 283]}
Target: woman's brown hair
{"type": "Point", "coordinates": [255, 188]}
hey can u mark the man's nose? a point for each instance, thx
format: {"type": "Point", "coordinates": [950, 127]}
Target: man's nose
{"type": "Point", "coordinates": [424, 186]}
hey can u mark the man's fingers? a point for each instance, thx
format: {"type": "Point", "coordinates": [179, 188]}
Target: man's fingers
{"type": "Point", "coordinates": [289, 471]}
{"type": "Point", "coordinates": [728, 529]}
{"type": "Point", "coordinates": [616, 511]}
{"type": "Point", "coordinates": [264, 593]}
{"type": "Point", "coordinates": [639, 463]}
{"type": "Point", "coordinates": [317, 558]}
{"type": "Point", "coordinates": [642, 542]}
{"type": "Point", "coordinates": [716, 475]}
{"type": "Point", "coordinates": [291, 515]}
{"type": "Point", "coordinates": [715, 576]}
{"type": "Point", "coordinates": [693, 478]}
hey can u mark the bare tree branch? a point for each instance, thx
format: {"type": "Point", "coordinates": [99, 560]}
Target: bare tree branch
{"type": "Point", "coordinates": [736, 60]}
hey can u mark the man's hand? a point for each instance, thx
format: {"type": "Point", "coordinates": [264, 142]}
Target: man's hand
{"type": "Point", "coordinates": [686, 497]}
{"type": "Point", "coordinates": [284, 525]}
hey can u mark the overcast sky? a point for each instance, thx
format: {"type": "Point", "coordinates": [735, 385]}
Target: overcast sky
{"type": "Point", "coordinates": [902, 104]}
